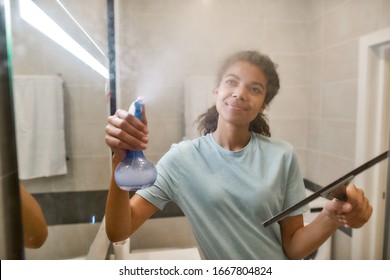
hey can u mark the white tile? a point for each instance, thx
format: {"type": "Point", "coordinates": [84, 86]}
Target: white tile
{"type": "Point", "coordinates": [350, 19]}
{"type": "Point", "coordinates": [385, 12]}
{"type": "Point", "coordinates": [290, 130]}
{"type": "Point", "coordinates": [340, 62]}
{"type": "Point", "coordinates": [290, 102]}
{"type": "Point", "coordinates": [338, 100]}
{"type": "Point", "coordinates": [286, 37]}
{"type": "Point", "coordinates": [314, 101]}
{"type": "Point", "coordinates": [338, 138]}
{"type": "Point", "coordinates": [331, 4]}
{"type": "Point", "coordinates": [313, 134]}
{"type": "Point", "coordinates": [291, 68]}
{"type": "Point", "coordinates": [314, 8]}
{"type": "Point", "coordinates": [314, 68]}
{"type": "Point", "coordinates": [314, 34]}
{"type": "Point", "coordinates": [289, 10]}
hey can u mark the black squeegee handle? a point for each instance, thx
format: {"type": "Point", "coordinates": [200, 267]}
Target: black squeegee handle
{"type": "Point", "coordinates": [318, 193]}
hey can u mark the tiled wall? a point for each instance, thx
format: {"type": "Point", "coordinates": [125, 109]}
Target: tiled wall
{"type": "Point", "coordinates": [333, 60]}
{"type": "Point", "coordinates": [335, 29]}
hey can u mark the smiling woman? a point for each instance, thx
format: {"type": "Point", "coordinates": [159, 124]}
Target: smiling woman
{"type": "Point", "coordinates": [239, 96]}
{"type": "Point", "coordinates": [265, 87]}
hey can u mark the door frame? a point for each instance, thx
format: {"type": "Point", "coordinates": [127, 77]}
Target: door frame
{"type": "Point", "coordinates": [372, 138]}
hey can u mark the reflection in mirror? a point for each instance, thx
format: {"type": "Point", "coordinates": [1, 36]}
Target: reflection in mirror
{"type": "Point", "coordinates": [33, 220]}
{"type": "Point", "coordinates": [60, 103]}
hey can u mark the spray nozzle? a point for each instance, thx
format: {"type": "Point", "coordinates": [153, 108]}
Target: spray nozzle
{"type": "Point", "coordinates": [136, 108]}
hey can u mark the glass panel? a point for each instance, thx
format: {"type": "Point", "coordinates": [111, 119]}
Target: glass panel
{"type": "Point", "coordinates": [60, 72]}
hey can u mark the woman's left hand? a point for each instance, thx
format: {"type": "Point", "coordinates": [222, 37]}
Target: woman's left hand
{"type": "Point", "coordinates": [354, 212]}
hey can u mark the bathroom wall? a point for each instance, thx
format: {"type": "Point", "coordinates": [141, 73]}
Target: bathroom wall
{"type": "Point", "coordinates": [333, 63]}
{"type": "Point", "coordinates": [334, 30]}
{"type": "Point", "coordinates": [74, 203]}
{"type": "Point", "coordinates": [161, 43]}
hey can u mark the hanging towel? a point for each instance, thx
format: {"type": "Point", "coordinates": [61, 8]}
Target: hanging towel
{"type": "Point", "coordinates": [40, 133]}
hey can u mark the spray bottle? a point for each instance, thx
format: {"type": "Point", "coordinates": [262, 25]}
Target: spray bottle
{"type": "Point", "coordinates": [135, 171]}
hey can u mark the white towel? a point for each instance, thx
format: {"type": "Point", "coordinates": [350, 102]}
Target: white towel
{"type": "Point", "coordinates": [40, 133]}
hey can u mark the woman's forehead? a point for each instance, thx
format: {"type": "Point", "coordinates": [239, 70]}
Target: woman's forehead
{"type": "Point", "coordinates": [245, 69]}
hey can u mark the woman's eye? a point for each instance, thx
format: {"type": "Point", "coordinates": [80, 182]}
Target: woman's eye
{"type": "Point", "coordinates": [231, 82]}
{"type": "Point", "coordinates": [256, 90]}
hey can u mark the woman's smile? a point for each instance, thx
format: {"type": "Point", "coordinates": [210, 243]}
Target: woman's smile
{"type": "Point", "coordinates": [235, 105]}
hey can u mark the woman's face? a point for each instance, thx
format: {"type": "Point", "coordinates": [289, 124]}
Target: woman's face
{"type": "Point", "coordinates": [241, 94]}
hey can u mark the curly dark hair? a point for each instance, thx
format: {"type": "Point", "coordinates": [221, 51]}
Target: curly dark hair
{"type": "Point", "coordinates": [207, 122]}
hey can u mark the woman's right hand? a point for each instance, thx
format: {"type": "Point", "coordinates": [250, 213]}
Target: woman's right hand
{"type": "Point", "coordinates": [126, 132]}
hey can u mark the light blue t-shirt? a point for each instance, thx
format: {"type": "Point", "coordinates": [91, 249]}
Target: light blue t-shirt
{"type": "Point", "coordinates": [226, 195]}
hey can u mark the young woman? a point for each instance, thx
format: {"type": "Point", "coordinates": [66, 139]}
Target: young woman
{"type": "Point", "coordinates": [233, 178]}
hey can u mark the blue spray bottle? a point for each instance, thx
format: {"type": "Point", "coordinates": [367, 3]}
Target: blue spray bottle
{"type": "Point", "coordinates": [135, 171]}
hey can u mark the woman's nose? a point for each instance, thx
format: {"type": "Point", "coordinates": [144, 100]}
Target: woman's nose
{"type": "Point", "coordinates": [239, 92]}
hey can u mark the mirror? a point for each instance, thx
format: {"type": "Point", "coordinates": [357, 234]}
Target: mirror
{"type": "Point", "coordinates": [169, 52]}
{"type": "Point", "coordinates": [60, 86]}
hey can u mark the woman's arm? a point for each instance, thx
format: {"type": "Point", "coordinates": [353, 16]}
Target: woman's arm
{"type": "Point", "coordinates": [299, 241]}
{"type": "Point", "coordinates": [124, 216]}
{"type": "Point", "coordinates": [33, 221]}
